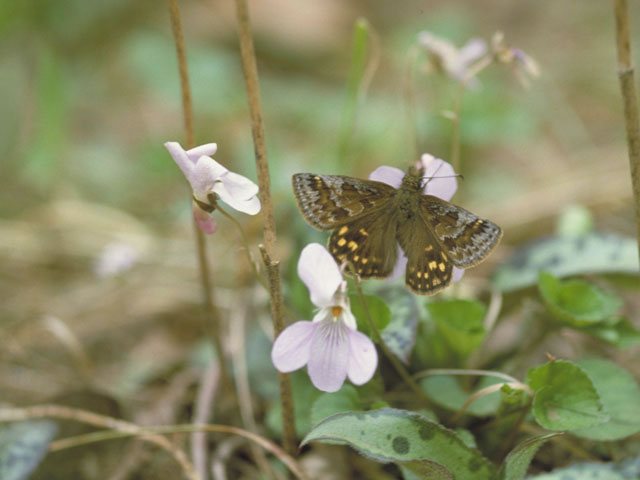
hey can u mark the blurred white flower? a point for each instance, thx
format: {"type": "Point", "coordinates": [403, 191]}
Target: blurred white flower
{"type": "Point", "coordinates": [452, 61]}
{"type": "Point", "coordinates": [115, 259]}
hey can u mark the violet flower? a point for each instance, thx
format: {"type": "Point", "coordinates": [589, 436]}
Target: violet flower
{"type": "Point", "coordinates": [209, 181]}
{"type": "Point", "coordinates": [440, 182]}
{"type": "Point", "coordinates": [330, 345]}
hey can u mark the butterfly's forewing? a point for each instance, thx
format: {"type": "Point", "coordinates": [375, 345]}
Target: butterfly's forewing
{"type": "Point", "coordinates": [368, 243]}
{"type": "Point", "coordinates": [330, 201]}
{"type": "Point", "coordinates": [466, 238]}
{"type": "Point", "coordinates": [429, 269]}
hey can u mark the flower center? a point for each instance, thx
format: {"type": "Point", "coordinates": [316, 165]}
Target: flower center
{"type": "Point", "coordinates": [336, 311]}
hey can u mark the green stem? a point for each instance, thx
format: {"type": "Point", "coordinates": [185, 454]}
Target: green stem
{"type": "Point", "coordinates": [462, 86]}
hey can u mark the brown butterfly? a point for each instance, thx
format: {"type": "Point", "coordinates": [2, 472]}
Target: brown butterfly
{"type": "Point", "coordinates": [369, 218]}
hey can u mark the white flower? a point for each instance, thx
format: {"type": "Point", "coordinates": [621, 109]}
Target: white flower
{"type": "Point", "coordinates": [210, 180]}
{"type": "Point", "coordinates": [115, 259]}
{"type": "Point", "coordinates": [440, 182]}
{"type": "Point", "coordinates": [330, 345]}
{"type": "Point", "coordinates": [452, 61]}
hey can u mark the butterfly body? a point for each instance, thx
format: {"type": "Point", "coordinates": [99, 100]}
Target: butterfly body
{"type": "Point", "coordinates": [369, 219]}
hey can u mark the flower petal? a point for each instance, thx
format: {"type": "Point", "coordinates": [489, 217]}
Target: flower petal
{"type": "Point", "coordinates": [204, 220]}
{"type": "Point", "coordinates": [389, 175]}
{"type": "Point", "coordinates": [400, 266]}
{"type": "Point", "coordinates": [291, 349]}
{"type": "Point", "coordinates": [363, 358]}
{"type": "Point", "coordinates": [207, 150]}
{"type": "Point", "coordinates": [320, 273]}
{"type": "Point", "coordinates": [239, 192]}
{"type": "Point", "coordinates": [329, 356]}
{"type": "Point", "coordinates": [457, 274]}
{"type": "Point", "coordinates": [204, 177]}
{"type": "Point", "coordinates": [441, 181]}
{"type": "Point", "coordinates": [180, 157]}
{"type": "Point", "coordinates": [472, 50]}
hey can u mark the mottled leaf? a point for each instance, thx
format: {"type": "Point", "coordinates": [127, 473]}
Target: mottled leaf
{"type": "Point", "coordinates": [391, 435]}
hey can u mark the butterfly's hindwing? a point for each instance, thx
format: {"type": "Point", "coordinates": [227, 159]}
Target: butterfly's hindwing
{"type": "Point", "coordinates": [330, 201]}
{"type": "Point", "coordinates": [366, 243]}
{"type": "Point", "coordinates": [429, 269]}
{"type": "Point", "coordinates": [466, 238]}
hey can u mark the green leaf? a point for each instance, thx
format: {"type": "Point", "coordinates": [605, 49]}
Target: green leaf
{"type": "Point", "coordinates": [517, 462]}
{"type": "Point", "coordinates": [566, 256]}
{"type": "Point", "coordinates": [445, 390]}
{"type": "Point", "coordinates": [459, 322]}
{"type": "Point", "coordinates": [380, 313]}
{"type": "Point", "coordinates": [359, 52]}
{"type": "Point", "coordinates": [565, 398]}
{"type": "Point", "coordinates": [619, 394]}
{"type": "Point", "coordinates": [344, 400]}
{"type": "Point", "coordinates": [577, 302]}
{"type": "Point", "coordinates": [621, 332]}
{"type": "Point", "coordinates": [22, 447]}
{"type": "Point", "coordinates": [400, 436]}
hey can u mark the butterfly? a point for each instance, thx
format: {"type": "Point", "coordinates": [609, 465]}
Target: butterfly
{"type": "Point", "coordinates": [370, 218]}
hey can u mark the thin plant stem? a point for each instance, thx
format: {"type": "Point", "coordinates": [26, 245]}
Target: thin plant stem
{"type": "Point", "coordinates": [486, 391]}
{"type": "Point", "coordinates": [245, 241]}
{"type": "Point", "coordinates": [457, 107]}
{"type": "Point", "coordinates": [121, 429]}
{"type": "Point", "coordinates": [268, 250]}
{"type": "Point", "coordinates": [630, 101]}
{"type": "Point", "coordinates": [260, 278]}
{"type": "Point", "coordinates": [213, 319]}
{"type": "Point", "coordinates": [466, 371]}
{"type": "Point", "coordinates": [385, 349]}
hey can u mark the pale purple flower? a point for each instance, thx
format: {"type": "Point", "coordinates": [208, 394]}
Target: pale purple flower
{"type": "Point", "coordinates": [209, 181]}
{"type": "Point", "coordinates": [440, 182]}
{"type": "Point", "coordinates": [522, 65]}
{"type": "Point", "coordinates": [115, 259]}
{"type": "Point", "coordinates": [330, 345]}
{"type": "Point", "coordinates": [450, 60]}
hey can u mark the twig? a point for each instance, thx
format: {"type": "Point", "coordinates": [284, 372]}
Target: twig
{"type": "Point", "coordinates": [627, 88]}
{"type": "Point", "coordinates": [213, 319]}
{"type": "Point", "coordinates": [237, 342]}
{"type": "Point", "coordinates": [272, 264]}
{"type": "Point", "coordinates": [202, 414]}
{"type": "Point", "coordinates": [120, 427]}
{"type": "Point", "coordinates": [388, 353]}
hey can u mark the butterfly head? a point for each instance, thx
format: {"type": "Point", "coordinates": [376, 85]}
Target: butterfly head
{"type": "Point", "coordinates": [414, 178]}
